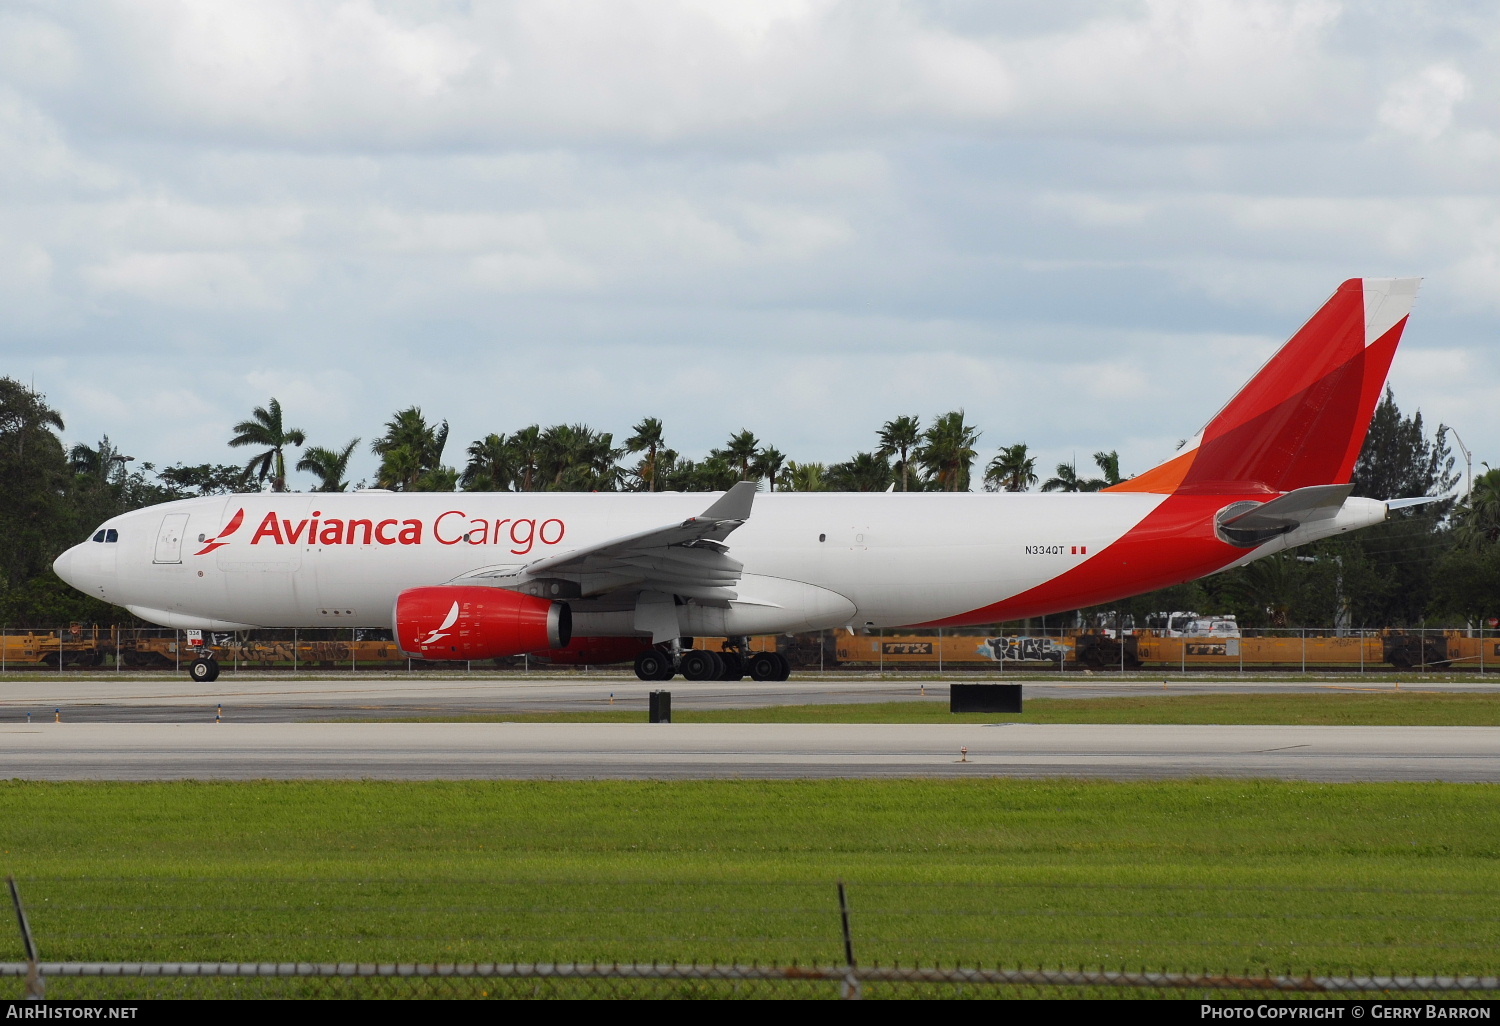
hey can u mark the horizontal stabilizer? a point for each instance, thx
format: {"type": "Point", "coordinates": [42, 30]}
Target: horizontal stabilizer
{"type": "Point", "coordinates": [1420, 500]}
{"type": "Point", "coordinates": [1250, 523]}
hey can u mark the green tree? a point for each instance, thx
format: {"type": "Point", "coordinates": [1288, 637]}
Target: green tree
{"type": "Point", "coordinates": [741, 452]}
{"type": "Point", "coordinates": [573, 457]}
{"type": "Point", "coordinates": [1398, 461]}
{"type": "Point", "coordinates": [713, 474]}
{"type": "Point", "coordinates": [329, 466]}
{"type": "Point", "coordinates": [1109, 464]}
{"type": "Point", "coordinates": [1012, 470]}
{"type": "Point", "coordinates": [804, 477]}
{"type": "Point", "coordinates": [898, 438]}
{"type": "Point", "coordinates": [203, 479]}
{"type": "Point", "coordinates": [1477, 518]}
{"type": "Point", "coordinates": [866, 472]}
{"type": "Point", "coordinates": [1067, 479]}
{"type": "Point", "coordinates": [411, 449]}
{"type": "Point", "coordinates": [266, 428]}
{"type": "Point", "coordinates": [492, 465]}
{"type": "Point", "coordinates": [768, 465]}
{"type": "Point", "coordinates": [526, 446]}
{"type": "Point", "coordinates": [647, 439]}
{"type": "Point", "coordinates": [947, 452]}
{"type": "Point", "coordinates": [35, 520]}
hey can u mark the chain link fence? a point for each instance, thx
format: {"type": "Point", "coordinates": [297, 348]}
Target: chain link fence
{"type": "Point", "coordinates": [1219, 646]}
{"type": "Point", "coordinates": [155, 980]}
{"type": "Point", "coordinates": [1462, 933]}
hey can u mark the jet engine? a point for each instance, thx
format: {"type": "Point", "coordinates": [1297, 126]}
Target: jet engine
{"type": "Point", "coordinates": [457, 622]}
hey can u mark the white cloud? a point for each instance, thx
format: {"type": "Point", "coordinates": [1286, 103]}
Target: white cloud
{"type": "Point", "coordinates": [1085, 223]}
{"type": "Point", "coordinates": [1422, 104]}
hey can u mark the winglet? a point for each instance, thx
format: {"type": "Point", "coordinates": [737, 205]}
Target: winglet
{"type": "Point", "coordinates": [733, 504]}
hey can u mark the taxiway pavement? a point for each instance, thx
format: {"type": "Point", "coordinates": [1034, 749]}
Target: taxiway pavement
{"type": "Point", "coordinates": [423, 751]}
{"type": "Point", "coordinates": [105, 697]}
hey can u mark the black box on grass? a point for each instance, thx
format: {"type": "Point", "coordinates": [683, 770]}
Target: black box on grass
{"type": "Point", "coordinates": [661, 707]}
{"type": "Point", "coordinates": [984, 698]}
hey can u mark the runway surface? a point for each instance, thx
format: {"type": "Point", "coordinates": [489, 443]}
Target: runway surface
{"type": "Point", "coordinates": [106, 698]}
{"type": "Point", "coordinates": [421, 751]}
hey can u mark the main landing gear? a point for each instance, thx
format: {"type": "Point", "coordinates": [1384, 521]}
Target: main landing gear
{"type": "Point", "coordinates": [204, 670]}
{"type": "Point", "coordinates": [701, 664]}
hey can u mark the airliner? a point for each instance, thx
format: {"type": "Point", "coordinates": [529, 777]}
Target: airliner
{"type": "Point", "coordinates": [616, 577]}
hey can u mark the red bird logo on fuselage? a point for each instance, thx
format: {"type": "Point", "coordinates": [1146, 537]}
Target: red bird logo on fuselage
{"type": "Point", "coordinates": [229, 528]}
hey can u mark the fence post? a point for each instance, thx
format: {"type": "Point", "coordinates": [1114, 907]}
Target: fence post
{"type": "Point", "coordinates": [36, 987]}
{"type": "Point", "coordinates": [940, 651]}
{"type": "Point", "coordinates": [117, 648]}
{"type": "Point", "coordinates": [1304, 650]}
{"type": "Point", "coordinates": [849, 990]}
{"type": "Point", "coordinates": [3, 645]}
{"type": "Point", "coordinates": [881, 642]}
{"type": "Point", "coordinates": [352, 642]}
{"type": "Point", "coordinates": [60, 635]}
{"type": "Point", "coordinates": [177, 649]}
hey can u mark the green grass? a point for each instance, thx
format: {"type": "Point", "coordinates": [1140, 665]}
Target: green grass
{"type": "Point", "coordinates": [1341, 708]}
{"type": "Point", "coordinates": [1224, 875]}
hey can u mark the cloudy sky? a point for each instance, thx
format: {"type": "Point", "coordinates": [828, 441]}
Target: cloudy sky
{"type": "Point", "coordinates": [1084, 222]}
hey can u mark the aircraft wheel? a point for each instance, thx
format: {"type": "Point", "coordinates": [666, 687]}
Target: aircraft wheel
{"type": "Point", "coordinates": [204, 671]}
{"type": "Point", "coordinates": [734, 666]}
{"type": "Point", "coordinates": [653, 664]}
{"type": "Point", "coordinates": [699, 665]}
{"type": "Point", "coordinates": [764, 666]}
{"type": "Point", "coordinates": [783, 666]}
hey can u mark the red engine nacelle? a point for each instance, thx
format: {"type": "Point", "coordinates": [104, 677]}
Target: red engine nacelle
{"type": "Point", "coordinates": [458, 622]}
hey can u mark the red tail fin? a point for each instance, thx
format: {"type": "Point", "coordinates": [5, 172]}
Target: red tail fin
{"type": "Point", "coordinates": [1302, 419]}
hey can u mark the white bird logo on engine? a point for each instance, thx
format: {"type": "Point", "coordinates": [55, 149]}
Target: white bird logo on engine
{"type": "Point", "coordinates": [442, 631]}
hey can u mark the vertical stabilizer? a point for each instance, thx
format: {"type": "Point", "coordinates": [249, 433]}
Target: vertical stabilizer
{"type": "Point", "coordinates": [1302, 419]}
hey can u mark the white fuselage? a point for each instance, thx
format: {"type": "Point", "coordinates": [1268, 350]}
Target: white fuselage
{"type": "Point", "coordinates": [811, 560]}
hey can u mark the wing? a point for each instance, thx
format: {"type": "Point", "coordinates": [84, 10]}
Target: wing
{"type": "Point", "coordinates": [688, 559]}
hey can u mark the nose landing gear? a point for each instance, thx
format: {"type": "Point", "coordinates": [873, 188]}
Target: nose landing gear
{"type": "Point", "coordinates": [204, 670]}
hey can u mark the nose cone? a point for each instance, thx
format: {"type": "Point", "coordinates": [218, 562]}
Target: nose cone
{"type": "Point", "coordinates": [69, 566]}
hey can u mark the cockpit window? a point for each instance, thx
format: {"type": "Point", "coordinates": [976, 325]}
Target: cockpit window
{"type": "Point", "coordinates": [111, 535]}
{"type": "Point", "coordinates": [99, 537]}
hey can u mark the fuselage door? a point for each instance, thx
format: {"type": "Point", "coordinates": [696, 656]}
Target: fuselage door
{"type": "Point", "coordinates": [169, 538]}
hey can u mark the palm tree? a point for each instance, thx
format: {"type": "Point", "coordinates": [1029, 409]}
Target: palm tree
{"type": "Point", "coordinates": [647, 439]}
{"type": "Point", "coordinates": [101, 467]}
{"type": "Point", "coordinates": [1478, 517]}
{"type": "Point", "coordinates": [1012, 470]}
{"type": "Point", "coordinates": [768, 465]}
{"type": "Point", "coordinates": [866, 472]}
{"type": "Point", "coordinates": [409, 449]}
{"type": "Point", "coordinates": [491, 466]}
{"type": "Point", "coordinates": [598, 463]}
{"type": "Point", "coordinates": [526, 445]}
{"type": "Point", "coordinates": [947, 451]}
{"type": "Point", "coordinates": [562, 447]}
{"type": "Point", "coordinates": [24, 414]}
{"type": "Point", "coordinates": [743, 450]}
{"type": "Point", "coordinates": [1109, 463]}
{"type": "Point", "coordinates": [328, 466]}
{"type": "Point", "coordinates": [898, 438]}
{"type": "Point", "coordinates": [804, 477]}
{"type": "Point", "coordinates": [1065, 481]}
{"type": "Point", "coordinates": [265, 428]}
